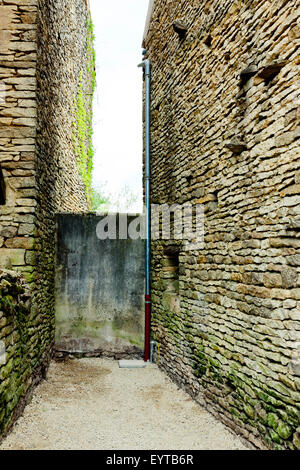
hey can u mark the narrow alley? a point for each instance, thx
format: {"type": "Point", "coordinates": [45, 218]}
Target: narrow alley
{"type": "Point", "coordinates": [150, 210]}
{"type": "Point", "coordinates": [93, 404]}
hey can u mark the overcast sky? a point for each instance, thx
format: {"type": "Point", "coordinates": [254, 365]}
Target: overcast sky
{"type": "Point", "coordinates": [119, 26]}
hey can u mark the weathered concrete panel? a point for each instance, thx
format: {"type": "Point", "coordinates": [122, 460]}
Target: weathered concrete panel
{"type": "Point", "coordinates": [99, 289]}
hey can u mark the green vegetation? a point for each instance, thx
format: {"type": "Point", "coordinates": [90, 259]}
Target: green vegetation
{"type": "Point", "coordinates": [91, 63]}
{"type": "Point", "coordinates": [124, 201]}
{"type": "Point", "coordinates": [83, 116]}
{"type": "Point", "coordinates": [101, 200]}
{"type": "Point", "coordinates": [15, 336]}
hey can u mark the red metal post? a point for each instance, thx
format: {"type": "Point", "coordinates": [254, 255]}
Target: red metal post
{"type": "Point", "coordinates": [147, 327]}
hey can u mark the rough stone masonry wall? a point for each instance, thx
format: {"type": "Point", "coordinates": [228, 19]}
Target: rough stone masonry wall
{"type": "Point", "coordinates": [42, 52]}
{"type": "Point", "coordinates": [16, 380]}
{"type": "Point", "coordinates": [230, 140]}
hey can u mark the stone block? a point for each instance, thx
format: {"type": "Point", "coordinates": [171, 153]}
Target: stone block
{"type": "Point", "coordinates": [10, 257]}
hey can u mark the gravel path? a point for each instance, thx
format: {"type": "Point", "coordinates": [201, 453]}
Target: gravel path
{"type": "Point", "coordinates": [92, 404]}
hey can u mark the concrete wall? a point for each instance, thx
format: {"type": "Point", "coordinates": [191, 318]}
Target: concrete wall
{"type": "Point", "coordinates": [227, 136]}
{"type": "Point", "coordinates": [99, 290]}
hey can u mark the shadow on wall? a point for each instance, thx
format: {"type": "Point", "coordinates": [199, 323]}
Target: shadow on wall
{"type": "Point", "coordinates": [99, 290]}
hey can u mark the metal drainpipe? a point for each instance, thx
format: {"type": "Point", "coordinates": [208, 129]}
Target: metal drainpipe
{"type": "Point", "coordinates": [147, 68]}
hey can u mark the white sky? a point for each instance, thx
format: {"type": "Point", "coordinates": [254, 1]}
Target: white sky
{"type": "Point", "coordinates": [119, 26]}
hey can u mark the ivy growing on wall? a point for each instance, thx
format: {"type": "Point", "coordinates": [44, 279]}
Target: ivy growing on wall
{"type": "Point", "coordinates": [91, 63]}
{"type": "Point", "coordinates": [83, 115]}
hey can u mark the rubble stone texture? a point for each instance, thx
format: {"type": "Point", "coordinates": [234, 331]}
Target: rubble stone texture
{"type": "Point", "coordinates": [19, 372]}
{"type": "Point", "coordinates": [42, 54]}
{"type": "Point", "coordinates": [225, 133]}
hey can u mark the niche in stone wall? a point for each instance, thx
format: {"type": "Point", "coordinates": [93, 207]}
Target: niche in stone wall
{"type": "Point", "coordinates": [171, 269]}
{"type": "Point", "coordinates": [271, 70]}
{"type": "Point", "coordinates": [208, 41]}
{"type": "Point", "coordinates": [170, 279]}
{"type": "Point", "coordinates": [2, 189]}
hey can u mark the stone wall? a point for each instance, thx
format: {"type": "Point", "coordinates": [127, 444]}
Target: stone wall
{"type": "Point", "coordinates": [99, 289]}
{"type": "Point", "coordinates": [225, 134]}
{"type": "Point", "coordinates": [18, 374]}
{"type": "Point", "coordinates": [43, 54]}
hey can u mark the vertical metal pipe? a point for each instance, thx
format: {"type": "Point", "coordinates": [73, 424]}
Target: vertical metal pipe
{"type": "Point", "coordinates": [147, 68]}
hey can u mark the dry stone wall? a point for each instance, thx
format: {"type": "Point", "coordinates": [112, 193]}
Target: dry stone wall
{"type": "Point", "coordinates": [16, 348]}
{"type": "Point", "coordinates": [225, 134]}
{"type": "Point", "coordinates": [43, 52]}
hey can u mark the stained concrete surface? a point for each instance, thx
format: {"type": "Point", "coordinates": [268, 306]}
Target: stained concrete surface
{"type": "Point", "coordinates": [93, 404]}
{"type": "Point", "coordinates": [99, 286]}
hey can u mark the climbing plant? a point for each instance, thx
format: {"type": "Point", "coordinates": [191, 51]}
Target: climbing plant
{"type": "Point", "coordinates": [83, 115]}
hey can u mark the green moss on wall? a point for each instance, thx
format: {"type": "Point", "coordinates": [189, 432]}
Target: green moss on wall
{"type": "Point", "coordinates": [14, 333]}
{"type": "Point", "coordinates": [83, 115]}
